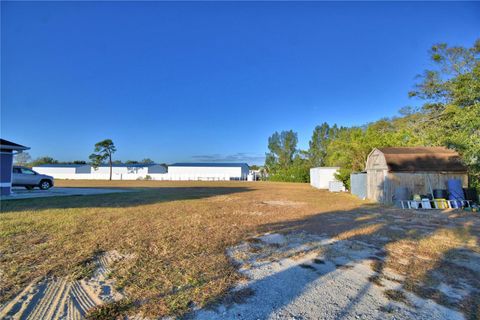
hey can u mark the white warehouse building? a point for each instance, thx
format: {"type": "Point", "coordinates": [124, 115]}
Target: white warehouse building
{"type": "Point", "coordinates": [208, 171]}
{"type": "Point", "coordinates": [128, 171]}
{"type": "Point", "coordinates": [85, 171]}
{"type": "Point", "coordinates": [176, 171]}
{"type": "Point", "coordinates": [64, 171]}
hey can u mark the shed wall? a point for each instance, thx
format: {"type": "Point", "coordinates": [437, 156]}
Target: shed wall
{"type": "Point", "coordinates": [376, 161]}
{"type": "Point", "coordinates": [376, 185]}
{"type": "Point", "coordinates": [418, 183]}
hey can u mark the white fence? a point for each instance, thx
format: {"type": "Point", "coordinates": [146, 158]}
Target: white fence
{"type": "Point", "coordinates": [169, 177]}
{"type": "Point", "coordinates": [141, 173]}
{"type": "Point", "coordinates": [151, 176]}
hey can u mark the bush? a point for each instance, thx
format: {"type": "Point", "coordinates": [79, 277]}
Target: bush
{"type": "Point", "coordinates": [343, 175]}
{"type": "Point", "coordinates": [292, 174]}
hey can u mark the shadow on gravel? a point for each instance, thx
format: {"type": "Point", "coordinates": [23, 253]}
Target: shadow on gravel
{"type": "Point", "coordinates": [426, 249]}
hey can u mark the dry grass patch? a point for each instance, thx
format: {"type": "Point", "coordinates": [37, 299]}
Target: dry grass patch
{"type": "Point", "coordinates": [425, 253]}
{"type": "Point", "coordinates": [176, 232]}
{"type": "Point", "coordinates": [178, 235]}
{"type": "Point", "coordinates": [360, 232]}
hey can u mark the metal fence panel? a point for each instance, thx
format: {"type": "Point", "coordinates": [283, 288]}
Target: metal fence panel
{"type": "Point", "coordinates": [358, 184]}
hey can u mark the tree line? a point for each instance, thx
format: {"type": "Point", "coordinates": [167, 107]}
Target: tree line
{"type": "Point", "coordinates": [24, 159]}
{"type": "Point", "coordinates": [449, 116]}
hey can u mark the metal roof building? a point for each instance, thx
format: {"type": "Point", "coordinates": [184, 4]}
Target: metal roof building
{"type": "Point", "coordinates": [86, 171]}
{"type": "Point", "coordinates": [208, 171]}
{"type": "Point", "coordinates": [176, 171]}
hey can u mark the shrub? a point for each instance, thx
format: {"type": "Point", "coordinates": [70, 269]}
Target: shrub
{"type": "Point", "coordinates": [343, 175]}
{"type": "Point", "coordinates": [291, 174]}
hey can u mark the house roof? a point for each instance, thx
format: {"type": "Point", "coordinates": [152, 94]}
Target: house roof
{"type": "Point", "coordinates": [207, 164]}
{"type": "Point", "coordinates": [9, 145]}
{"type": "Point", "coordinates": [427, 159]}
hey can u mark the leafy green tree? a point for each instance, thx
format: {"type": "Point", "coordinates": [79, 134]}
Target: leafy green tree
{"type": "Point", "coordinates": [321, 137]}
{"type": "Point", "coordinates": [282, 147]}
{"type": "Point", "coordinates": [343, 175]}
{"type": "Point", "coordinates": [450, 116]}
{"type": "Point", "coordinates": [298, 171]}
{"type": "Point", "coordinates": [22, 158]}
{"type": "Point", "coordinates": [43, 160]}
{"type": "Point", "coordinates": [131, 162]}
{"type": "Point", "coordinates": [451, 95]}
{"type": "Point", "coordinates": [103, 151]}
{"type": "Point", "coordinates": [285, 162]}
{"type": "Point", "coordinates": [147, 161]}
{"type": "Point", "coordinates": [349, 149]}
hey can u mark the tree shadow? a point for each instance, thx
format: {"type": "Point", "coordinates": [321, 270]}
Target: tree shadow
{"type": "Point", "coordinates": [134, 197]}
{"type": "Point", "coordinates": [377, 236]}
{"type": "Point", "coordinates": [460, 269]}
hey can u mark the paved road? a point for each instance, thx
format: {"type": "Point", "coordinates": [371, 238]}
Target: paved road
{"type": "Point", "coordinates": [21, 193]}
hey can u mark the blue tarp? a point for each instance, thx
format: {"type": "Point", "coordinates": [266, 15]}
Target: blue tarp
{"type": "Point", "coordinates": [455, 192]}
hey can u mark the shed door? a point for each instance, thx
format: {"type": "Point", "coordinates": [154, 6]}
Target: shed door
{"type": "Point", "coordinates": [376, 184]}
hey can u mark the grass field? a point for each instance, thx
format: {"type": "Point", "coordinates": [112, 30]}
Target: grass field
{"type": "Point", "coordinates": [177, 234]}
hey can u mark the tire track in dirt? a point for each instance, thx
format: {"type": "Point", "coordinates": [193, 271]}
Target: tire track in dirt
{"type": "Point", "coordinates": [60, 298]}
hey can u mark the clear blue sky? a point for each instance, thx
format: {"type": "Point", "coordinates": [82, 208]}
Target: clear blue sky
{"type": "Point", "coordinates": [180, 81]}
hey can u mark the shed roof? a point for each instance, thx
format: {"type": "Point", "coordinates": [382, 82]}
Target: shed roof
{"type": "Point", "coordinates": [207, 164]}
{"type": "Point", "coordinates": [9, 145]}
{"type": "Point", "coordinates": [426, 159]}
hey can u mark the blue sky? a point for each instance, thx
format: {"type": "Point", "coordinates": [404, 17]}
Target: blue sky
{"type": "Point", "coordinates": [209, 81]}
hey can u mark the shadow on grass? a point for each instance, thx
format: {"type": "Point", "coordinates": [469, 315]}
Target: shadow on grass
{"type": "Point", "coordinates": [137, 197]}
{"type": "Point", "coordinates": [378, 227]}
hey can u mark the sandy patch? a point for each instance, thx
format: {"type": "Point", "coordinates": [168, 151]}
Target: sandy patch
{"type": "Point", "coordinates": [273, 238]}
{"type": "Point", "coordinates": [61, 298]}
{"type": "Point", "coordinates": [224, 198]}
{"type": "Point", "coordinates": [301, 276]}
{"type": "Point", "coordinates": [283, 203]}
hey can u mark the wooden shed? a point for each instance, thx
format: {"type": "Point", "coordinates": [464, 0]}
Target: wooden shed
{"type": "Point", "coordinates": [417, 168]}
